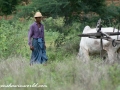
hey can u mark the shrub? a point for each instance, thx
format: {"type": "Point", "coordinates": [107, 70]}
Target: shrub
{"type": "Point", "coordinates": [13, 38]}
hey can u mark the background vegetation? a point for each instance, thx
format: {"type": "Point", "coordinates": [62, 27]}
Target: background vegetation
{"type": "Point", "coordinates": [63, 21]}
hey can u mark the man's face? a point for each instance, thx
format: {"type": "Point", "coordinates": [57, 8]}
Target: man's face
{"type": "Point", "coordinates": [38, 19]}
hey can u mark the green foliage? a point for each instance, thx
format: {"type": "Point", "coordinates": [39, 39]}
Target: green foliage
{"type": "Point", "coordinates": [70, 46]}
{"type": "Point", "coordinates": [8, 6]}
{"type": "Point", "coordinates": [69, 9]}
{"type": "Point", "coordinates": [65, 32]}
{"type": "Point", "coordinates": [13, 39]}
{"type": "Point", "coordinates": [54, 25]}
{"type": "Point", "coordinates": [114, 74]}
{"type": "Point", "coordinates": [69, 32]}
{"type": "Point", "coordinates": [97, 6]}
{"type": "Point", "coordinates": [63, 69]}
{"type": "Point", "coordinates": [112, 15]}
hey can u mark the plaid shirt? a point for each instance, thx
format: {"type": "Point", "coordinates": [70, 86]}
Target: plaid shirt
{"type": "Point", "coordinates": [35, 32]}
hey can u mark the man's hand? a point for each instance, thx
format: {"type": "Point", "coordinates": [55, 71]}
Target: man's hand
{"type": "Point", "coordinates": [31, 48]}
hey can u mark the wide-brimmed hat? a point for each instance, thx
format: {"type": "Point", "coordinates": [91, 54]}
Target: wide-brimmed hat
{"type": "Point", "coordinates": [38, 14]}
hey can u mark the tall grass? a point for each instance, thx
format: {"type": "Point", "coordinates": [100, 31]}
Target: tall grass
{"type": "Point", "coordinates": [69, 74]}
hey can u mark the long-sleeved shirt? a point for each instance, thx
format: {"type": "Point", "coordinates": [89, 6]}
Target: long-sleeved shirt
{"type": "Point", "coordinates": [35, 32]}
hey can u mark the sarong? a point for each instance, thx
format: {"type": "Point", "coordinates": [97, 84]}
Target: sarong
{"type": "Point", "coordinates": [39, 53]}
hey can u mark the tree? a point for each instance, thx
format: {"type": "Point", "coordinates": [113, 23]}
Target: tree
{"type": "Point", "coordinates": [8, 6]}
{"type": "Point", "coordinates": [69, 9]}
{"type": "Point", "coordinates": [94, 5]}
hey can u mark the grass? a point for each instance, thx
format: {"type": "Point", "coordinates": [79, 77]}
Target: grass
{"type": "Point", "coordinates": [68, 74]}
{"type": "Point", "coordinates": [63, 71]}
{"type": "Point", "coordinates": [50, 38]}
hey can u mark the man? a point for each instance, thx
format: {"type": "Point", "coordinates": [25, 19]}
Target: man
{"type": "Point", "coordinates": [36, 41]}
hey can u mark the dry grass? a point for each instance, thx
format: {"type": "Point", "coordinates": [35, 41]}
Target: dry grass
{"type": "Point", "coordinates": [69, 74]}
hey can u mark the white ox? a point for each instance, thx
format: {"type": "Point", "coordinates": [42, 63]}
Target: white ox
{"type": "Point", "coordinates": [90, 45]}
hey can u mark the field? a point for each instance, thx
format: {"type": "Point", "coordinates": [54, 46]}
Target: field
{"type": "Point", "coordinates": [63, 70]}
{"type": "Point", "coordinates": [68, 74]}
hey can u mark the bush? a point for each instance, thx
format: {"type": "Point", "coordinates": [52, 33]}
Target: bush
{"type": "Point", "coordinates": [54, 25]}
{"type": "Point", "coordinates": [13, 38]}
{"type": "Point", "coordinates": [112, 15]}
{"type": "Point", "coordinates": [114, 74]}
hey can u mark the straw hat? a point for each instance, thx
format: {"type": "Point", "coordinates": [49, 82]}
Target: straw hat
{"type": "Point", "coordinates": [38, 14]}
